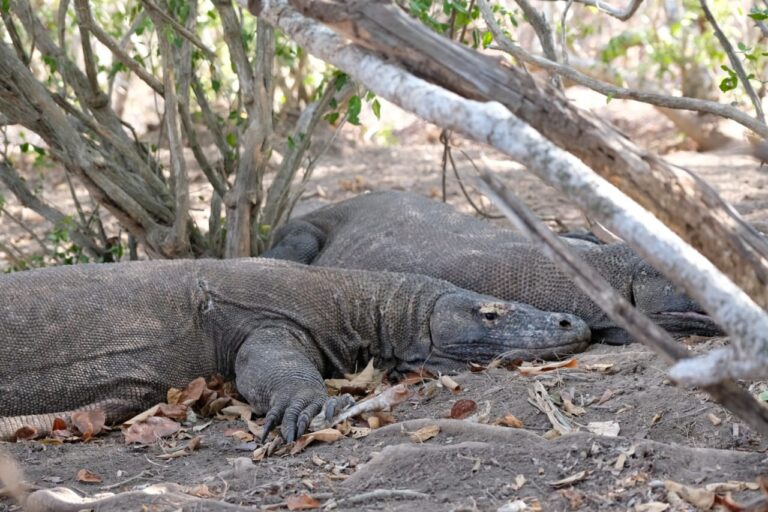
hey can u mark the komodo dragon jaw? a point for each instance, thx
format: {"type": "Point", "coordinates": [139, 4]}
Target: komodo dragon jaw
{"type": "Point", "coordinates": [469, 327]}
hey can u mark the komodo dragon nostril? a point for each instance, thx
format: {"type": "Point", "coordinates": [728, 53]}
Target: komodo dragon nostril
{"type": "Point", "coordinates": [565, 324]}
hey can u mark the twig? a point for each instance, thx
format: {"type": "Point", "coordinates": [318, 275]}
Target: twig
{"type": "Point", "coordinates": [382, 494]}
{"type": "Point", "coordinates": [618, 309]}
{"type": "Point", "coordinates": [128, 480]}
{"type": "Point", "coordinates": [29, 230]}
{"type": "Point", "coordinates": [621, 14]}
{"type": "Point", "coordinates": [477, 208]}
{"type": "Point", "coordinates": [612, 91]}
{"type": "Point", "coordinates": [735, 62]}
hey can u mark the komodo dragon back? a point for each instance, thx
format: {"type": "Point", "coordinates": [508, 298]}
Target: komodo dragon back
{"type": "Point", "coordinates": [405, 232]}
{"type": "Point", "coordinates": [117, 336]}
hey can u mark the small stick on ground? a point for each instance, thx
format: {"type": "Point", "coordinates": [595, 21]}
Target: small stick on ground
{"type": "Point", "coordinates": [382, 494]}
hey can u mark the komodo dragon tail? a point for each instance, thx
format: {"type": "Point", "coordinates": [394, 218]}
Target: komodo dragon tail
{"type": "Point", "coordinates": [114, 410]}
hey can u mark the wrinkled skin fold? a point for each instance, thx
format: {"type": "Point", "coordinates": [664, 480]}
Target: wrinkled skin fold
{"type": "Point", "coordinates": [117, 336]}
{"type": "Point", "coordinates": [405, 232]}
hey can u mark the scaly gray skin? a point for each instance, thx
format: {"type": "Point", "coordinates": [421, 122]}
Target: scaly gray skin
{"type": "Point", "coordinates": [404, 232]}
{"type": "Point", "coordinates": [117, 336]}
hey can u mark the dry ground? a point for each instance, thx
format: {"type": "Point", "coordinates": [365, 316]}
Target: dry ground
{"type": "Point", "coordinates": [666, 433]}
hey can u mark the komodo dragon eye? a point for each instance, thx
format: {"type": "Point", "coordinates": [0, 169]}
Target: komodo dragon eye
{"type": "Point", "coordinates": [490, 316]}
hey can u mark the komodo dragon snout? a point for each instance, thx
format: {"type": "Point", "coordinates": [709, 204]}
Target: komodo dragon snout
{"type": "Point", "coordinates": [469, 327]}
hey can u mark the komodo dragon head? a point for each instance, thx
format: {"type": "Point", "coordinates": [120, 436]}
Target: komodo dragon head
{"type": "Point", "coordinates": [469, 327]}
{"type": "Point", "coordinates": [667, 305]}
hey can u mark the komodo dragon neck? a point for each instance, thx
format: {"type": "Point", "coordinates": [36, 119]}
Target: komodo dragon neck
{"type": "Point", "coordinates": [350, 318]}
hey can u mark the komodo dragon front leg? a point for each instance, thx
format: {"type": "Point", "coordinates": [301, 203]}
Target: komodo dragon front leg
{"type": "Point", "coordinates": [279, 377]}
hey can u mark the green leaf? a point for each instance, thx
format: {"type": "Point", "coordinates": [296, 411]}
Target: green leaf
{"type": "Point", "coordinates": [763, 396]}
{"type": "Point", "coordinates": [340, 80]}
{"type": "Point", "coordinates": [376, 107]}
{"type": "Point", "coordinates": [729, 83]}
{"type": "Point", "coordinates": [24, 147]}
{"type": "Point", "coordinates": [232, 139]}
{"type": "Point", "coordinates": [353, 110]}
{"type": "Point", "coordinates": [215, 85]}
{"type": "Point", "coordinates": [487, 39]}
{"type": "Point", "coordinates": [291, 143]}
{"type": "Point", "coordinates": [369, 96]}
{"type": "Point", "coordinates": [331, 117]}
{"type": "Point", "coordinates": [6, 6]}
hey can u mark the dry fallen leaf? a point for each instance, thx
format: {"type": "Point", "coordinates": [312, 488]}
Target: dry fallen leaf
{"type": "Point", "coordinates": [463, 409]}
{"type": "Point", "coordinates": [193, 391]}
{"type": "Point", "coordinates": [25, 433]}
{"type": "Point", "coordinates": [519, 482]}
{"type": "Point", "coordinates": [514, 506]}
{"type": "Point", "coordinates": [201, 491]}
{"type": "Point", "coordinates": [696, 496]}
{"type": "Point", "coordinates": [176, 412]}
{"type": "Point", "coordinates": [569, 406]}
{"type": "Point", "coordinates": [530, 370]}
{"type": "Point", "coordinates": [328, 435]}
{"type": "Point", "coordinates": [59, 424]}
{"type": "Point", "coordinates": [604, 428]}
{"type": "Point", "coordinates": [367, 378]}
{"type": "Point", "coordinates": [731, 486]}
{"type": "Point", "coordinates": [183, 451]}
{"type": "Point", "coordinates": [714, 420]}
{"type": "Point", "coordinates": [510, 420]}
{"type": "Point", "coordinates": [424, 433]}
{"type": "Point", "coordinates": [652, 506]}
{"type": "Point", "coordinates": [568, 481]}
{"type": "Point", "coordinates": [598, 367]}
{"type": "Point", "coordinates": [607, 395]}
{"type": "Point", "coordinates": [449, 384]}
{"type": "Point", "coordinates": [89, 423]}
{"type": "Point", "coordinates": [143, 416]}
{"type": "Point", "coordinates": [238, 409]}
{"type": "Point", "coordinates": [149, 431]}
{"type": "Point", "coordinates": [88, 477]}
{"type": "Point", "coordinates": [301, 502]}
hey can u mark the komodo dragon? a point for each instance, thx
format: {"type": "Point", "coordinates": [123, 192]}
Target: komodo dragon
{"type": "Point", "coordinates": [406, 232]}
{"type": "Point", "coordinates": [117, 336]}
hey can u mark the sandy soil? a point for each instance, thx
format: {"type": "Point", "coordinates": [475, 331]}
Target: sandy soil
{"type": "Point", "coordinates": [666, 433]}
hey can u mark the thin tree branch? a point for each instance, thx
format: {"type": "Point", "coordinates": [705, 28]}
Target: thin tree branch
{"type": "Point", "coordinates": [621, 14]}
